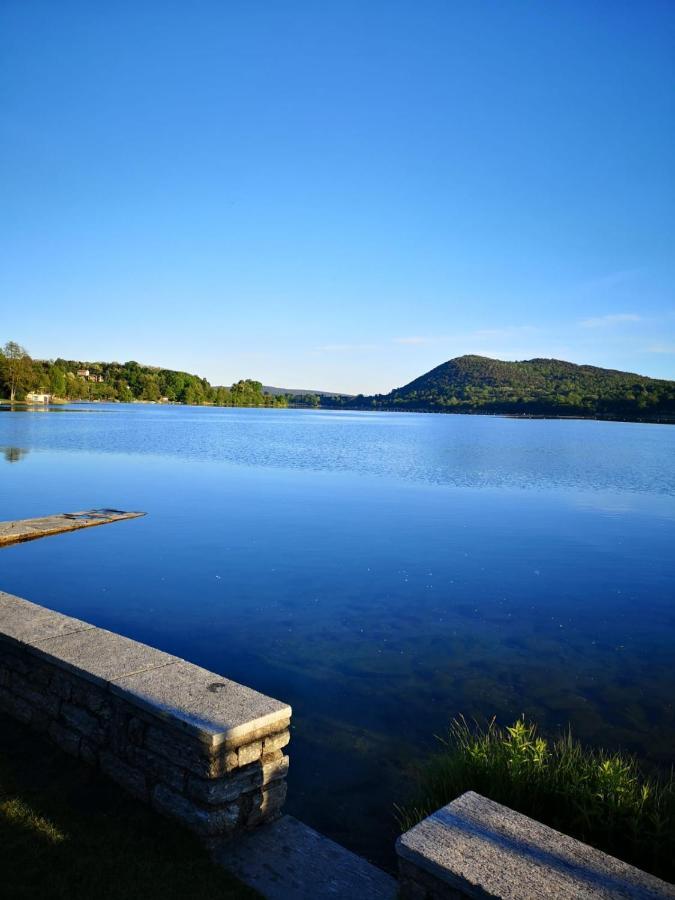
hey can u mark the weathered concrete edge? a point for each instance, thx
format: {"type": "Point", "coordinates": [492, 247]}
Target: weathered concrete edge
{"type": "Point", "coordinates": [288, 860]}
{"type": "Point", "coordinates": [227, 736]}
{"type": "Point", "coordinates": [30, 532]}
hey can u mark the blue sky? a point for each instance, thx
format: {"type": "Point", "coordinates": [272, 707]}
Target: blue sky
{"type": "Point", "coordinates": [338, 195]}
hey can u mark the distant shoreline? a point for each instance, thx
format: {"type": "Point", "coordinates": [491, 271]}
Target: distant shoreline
{"type": "Point", "coordinates": [36, 407]}
{"type": "Point", "coordinates": [466, 385]}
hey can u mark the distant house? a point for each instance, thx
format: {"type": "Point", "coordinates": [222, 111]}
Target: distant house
{"type": "Point", "coordinates": [87, 375]}
{"type": "Point", "coordinates": [35, 397]}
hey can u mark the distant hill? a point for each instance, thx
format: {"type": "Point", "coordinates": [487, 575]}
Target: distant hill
{"type": "Point", "coordinates": [545, 387]}
{"type": "Point", "coordinates": [300, 392]}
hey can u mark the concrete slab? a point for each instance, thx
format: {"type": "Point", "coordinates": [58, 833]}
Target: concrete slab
{"type": "Point", "coordinates": [101, 656]}
{"type": "Point", "coordinates": [474, 847]}
{"type": "Point", "coordinates": [26, 622]}
{"type": "Point", "coordinates": [217, 710]}
{"type": "Point", "coordinates": [287, 860]}
{"type": "Point", "coordinates": [20, 530]}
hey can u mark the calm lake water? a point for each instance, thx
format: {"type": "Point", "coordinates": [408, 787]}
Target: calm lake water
{"type": "Point", "coordinates": [380, 572]}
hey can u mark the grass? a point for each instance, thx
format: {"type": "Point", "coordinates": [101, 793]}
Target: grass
{"type": "Point", "coordinates": [604, 799]}
{"type": "Point", "coordinates": [68, 833]}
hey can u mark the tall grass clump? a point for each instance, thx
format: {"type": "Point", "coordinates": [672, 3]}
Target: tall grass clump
{"type": "Point", "coordinates": [604, 799]}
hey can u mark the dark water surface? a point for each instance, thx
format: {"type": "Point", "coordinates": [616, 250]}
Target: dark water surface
{"type": "Point", "coordinates": [380, 572]}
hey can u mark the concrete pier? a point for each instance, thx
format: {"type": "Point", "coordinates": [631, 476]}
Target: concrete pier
{"type": "Point", "coordinates": [29, 529]}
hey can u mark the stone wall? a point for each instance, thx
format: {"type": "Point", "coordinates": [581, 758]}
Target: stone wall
{"type": "Point", "coordinates": [198, 747]}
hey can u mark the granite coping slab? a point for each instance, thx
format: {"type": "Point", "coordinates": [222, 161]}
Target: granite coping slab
{"type": "Point", "coordinates": [100, 656]}
{"type": "Point", "coordinates": [220, 711]}
{"type": "Point", "coordinates": [482, 849]}
{"type": "Point", "coordinates": [206, 705]}
{"type": "Point", "coordinates": [288, 860]}
{"type": "Point", "coordinates": [25, 622]}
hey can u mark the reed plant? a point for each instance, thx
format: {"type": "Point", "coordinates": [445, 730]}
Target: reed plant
{"type": "Point", "coordinates": [603, 798]}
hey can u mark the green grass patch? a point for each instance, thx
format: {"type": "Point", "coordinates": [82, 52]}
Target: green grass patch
{"type": "Point", "coordinates": [604, 799]}
{"type": "Point", "coordinates": [67, 833]}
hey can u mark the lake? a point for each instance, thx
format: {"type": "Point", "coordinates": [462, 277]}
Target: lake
{"type": "Point", "coordinates": [381, 572]}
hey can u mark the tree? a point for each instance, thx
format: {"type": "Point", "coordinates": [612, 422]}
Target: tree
{"type": "Point", "coordinates": [17, 367]}
{"type": "Point", "coordinates": [194, 395]}
{"type": "Point", "coordinates": [57, 382]}
{"type": "Point", "coordinates": [150, 388]}
{"type": "Point", "coordinates": [222, 396]}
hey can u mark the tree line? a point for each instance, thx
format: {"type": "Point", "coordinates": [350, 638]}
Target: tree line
{"type": "Point", "coordinates": [69, 379]}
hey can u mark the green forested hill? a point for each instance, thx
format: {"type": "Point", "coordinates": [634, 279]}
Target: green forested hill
{"type": "Point", "coordinates": [533, 387]}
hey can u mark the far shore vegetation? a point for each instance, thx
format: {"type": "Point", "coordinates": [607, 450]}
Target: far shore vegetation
{"type": "Point", "coordinates": [603, 798]}
{"type": "Point", "coordinates": [68, 379]}
{"type": "Point", "coordinates": [546, 388]}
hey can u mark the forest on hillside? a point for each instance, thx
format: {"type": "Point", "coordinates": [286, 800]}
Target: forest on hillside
{"type": "Point", "coordinates": [69, 379]}
{"type": "Point", "coordinates": [546, 387]}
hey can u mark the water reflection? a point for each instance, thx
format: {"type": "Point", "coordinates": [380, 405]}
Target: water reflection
{"type": "Point", "coordinates": [22, 407]}
{"type": "Point", "coordinates": [14, 454]}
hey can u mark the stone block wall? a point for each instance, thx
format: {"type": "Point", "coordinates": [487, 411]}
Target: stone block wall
{"type": "Point", "coordinates": [199, 748]}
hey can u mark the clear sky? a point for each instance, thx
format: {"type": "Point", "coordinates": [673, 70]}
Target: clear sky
{"type": "Point", "coordinates": [338, 195]}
